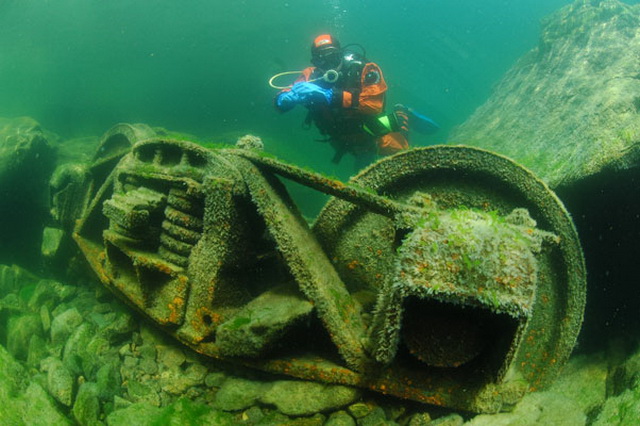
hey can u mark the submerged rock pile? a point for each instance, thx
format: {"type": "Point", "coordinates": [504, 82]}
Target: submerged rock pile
{"type": "Point", "coordinates": [73, 354]}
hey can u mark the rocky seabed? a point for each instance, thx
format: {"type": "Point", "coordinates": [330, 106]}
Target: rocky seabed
{"type": "Point", "coordinates": [73, 354]}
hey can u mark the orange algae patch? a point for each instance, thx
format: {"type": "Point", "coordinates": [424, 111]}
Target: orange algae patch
{"type": "Point", "coordinates": [175, 307]}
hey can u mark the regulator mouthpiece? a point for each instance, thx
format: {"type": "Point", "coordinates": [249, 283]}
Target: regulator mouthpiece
{"type": "Point", "coordinates": [331, 76]}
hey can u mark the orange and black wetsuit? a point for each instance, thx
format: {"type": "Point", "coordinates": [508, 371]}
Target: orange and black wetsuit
{"type": "Point", "coordinates": [358, 100]}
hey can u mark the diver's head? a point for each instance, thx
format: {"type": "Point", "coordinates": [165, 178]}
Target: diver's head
{"type": "Point", "coordinates": [325, 52]}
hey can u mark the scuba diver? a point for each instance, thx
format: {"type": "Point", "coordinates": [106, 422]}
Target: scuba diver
{"type": "Point", "coordinates": [345, 97]}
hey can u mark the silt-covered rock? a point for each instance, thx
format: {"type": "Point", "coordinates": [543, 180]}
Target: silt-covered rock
{"type": "Point", "coordinates": [568, 108]}
{"type": "Point", "coordinates": [27, 159]}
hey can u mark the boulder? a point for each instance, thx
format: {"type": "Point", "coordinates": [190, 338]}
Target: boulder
{"type": "Point", "coordinates": [302, 398]}
{"type": "Point", "coordinates": [625, 376]}
{"type": "Point", "coordinates": [86, 408]}
{"type": "Point", "coordinates": [109, 380]}
{"type": "Point", "coordinates": [621, 410]}
{"type": "Point", "coordinates": [537, 408]}
{"type": "Point", "coordinates": [64, 324]}
{"type": "Point", "coordinates": [76, 356]}
{"type": "Point", "coordinates": [239, 394]}
{"type": "Point", "coordinates": [568, 108]}
{"type": "Point", "coordinates": [19, 332]}
{"type": "Point", "coordinates": [27, 160]}
{"type": "Point", "coordinates": [13, 277]}
{"type": "Point", "coordinates": [30, 404]}
{"type": "Point", "coordinates": [340, 418]}
{"type": "Point", "coordinates": [255, 328]}
{"type": "Point", "coordinates": [60, 381]}
{"type": "Point", "coordinates": [133, 414]}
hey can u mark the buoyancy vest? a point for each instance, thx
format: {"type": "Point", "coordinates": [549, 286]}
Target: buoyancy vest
{"type": "Point", "coordinates": [359, 95]}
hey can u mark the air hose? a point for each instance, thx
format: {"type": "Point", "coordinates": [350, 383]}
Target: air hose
{"type": "Point", "coordinates": [331, 76]}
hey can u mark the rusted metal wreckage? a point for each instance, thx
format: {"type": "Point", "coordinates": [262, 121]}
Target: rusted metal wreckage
{"type": "Point", "coordinates": [446, 275]}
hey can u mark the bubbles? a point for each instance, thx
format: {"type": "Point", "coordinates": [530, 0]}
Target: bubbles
{"type": "Point", "coordinates": [338, 14]}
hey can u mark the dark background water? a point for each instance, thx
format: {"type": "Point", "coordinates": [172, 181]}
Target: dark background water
{"type": "Point", "coordinates": [201, 66]}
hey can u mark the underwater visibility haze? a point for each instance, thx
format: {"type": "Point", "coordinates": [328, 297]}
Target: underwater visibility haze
{"type": "Point", "coordinates": [202, 67]}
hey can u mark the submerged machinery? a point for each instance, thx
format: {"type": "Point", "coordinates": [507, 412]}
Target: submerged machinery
{"type": "Point", "coordinates": [447, 275]}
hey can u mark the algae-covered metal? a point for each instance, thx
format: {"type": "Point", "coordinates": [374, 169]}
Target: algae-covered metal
{"type": "Point", "coordinates": [447, 275]}
{"type": "Point", "coordinates": [490, 303]}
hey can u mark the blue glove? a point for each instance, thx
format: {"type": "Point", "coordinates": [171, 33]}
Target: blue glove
{"type": "Point", "coordinates": [304, 93]}
{"type": "Point", "coordinates": [310, 93]}
{"type": "Point", "coordinates": [287, 100]}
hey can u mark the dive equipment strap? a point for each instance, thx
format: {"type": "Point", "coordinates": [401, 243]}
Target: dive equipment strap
{"type": "Point", "coordinates": [380, 125]}
{"type": "Point", "coordinates": [355, 98]}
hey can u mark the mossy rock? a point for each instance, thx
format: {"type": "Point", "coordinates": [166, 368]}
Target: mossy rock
{"type": "Point", "coordinates": [568, 108]}
{"type": "Point", "coordinates": [29, 403]}
{"type": "Point", "coordinates": [300, 398]}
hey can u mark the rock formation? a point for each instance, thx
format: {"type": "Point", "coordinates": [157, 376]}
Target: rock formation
{"type": "Point", "coordinates": [27, 159]}
{"type": "Point", "coordinates": [569, 108]}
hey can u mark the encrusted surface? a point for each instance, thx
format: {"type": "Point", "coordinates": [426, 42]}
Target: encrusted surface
{"type": "Point", "coordinates": [471, 257]}
{"type": "Point", "coordinates": [200, 241]}
{"type": "Point", "coordinates": [461, 178]}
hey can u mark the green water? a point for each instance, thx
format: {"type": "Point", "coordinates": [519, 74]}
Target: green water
{"type": "Point", "coordinates": [79, 66]}
{"type": "Point", "coordinates": [201, 66]}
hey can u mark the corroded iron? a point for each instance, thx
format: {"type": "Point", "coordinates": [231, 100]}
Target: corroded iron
{"type": "Point", "coordinates": [522, 325]}
{"type": "Point", "coordinates": [446, 275]}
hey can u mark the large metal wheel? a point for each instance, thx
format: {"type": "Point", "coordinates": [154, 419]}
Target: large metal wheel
{"type": "Point", "coordinates": [362, 246]}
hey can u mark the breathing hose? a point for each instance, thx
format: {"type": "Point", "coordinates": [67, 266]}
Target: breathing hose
{"type": "Point", "coordinates": [331, 76]}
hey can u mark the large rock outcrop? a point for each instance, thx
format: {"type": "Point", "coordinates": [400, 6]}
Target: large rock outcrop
{"type": "Point", "coordinates": [27, 160]}
{"type": "Point", "coordinates": [570, 107]}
